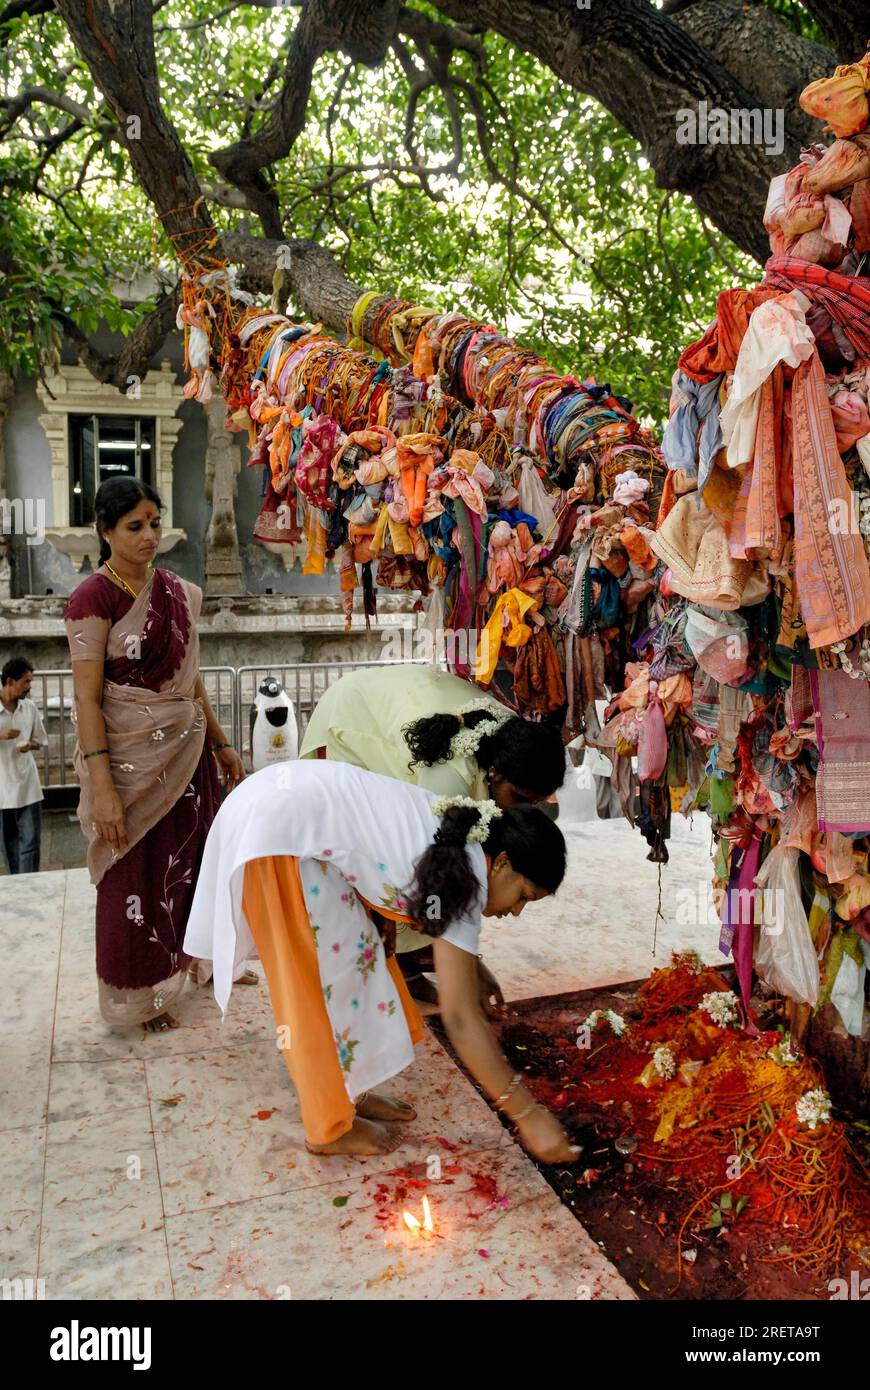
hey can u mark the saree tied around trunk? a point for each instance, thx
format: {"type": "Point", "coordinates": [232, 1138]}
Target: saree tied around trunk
{"type": "Point", "coordinates": [694, 546]}
{"type": "Point", "coordinates": [842, 712]}
{"type": "Point", "coordinates": [164, 776]}
{"type": "Point", "coordinates": [738, 913]}
{"type": "Point", "coordinates": [832, 577]}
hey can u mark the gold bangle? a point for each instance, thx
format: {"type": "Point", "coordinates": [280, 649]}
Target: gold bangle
{"type": "Point", "coordinates": [535, 1105]}
{"type": "Point", "coordinates": [503, 1099]}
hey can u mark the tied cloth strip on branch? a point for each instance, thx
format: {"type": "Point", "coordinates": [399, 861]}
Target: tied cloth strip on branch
{"type": "Point", "coordinates": [383, 467]}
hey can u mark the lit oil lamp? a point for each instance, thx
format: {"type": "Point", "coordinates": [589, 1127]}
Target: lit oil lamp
{"type": "Point", "coordinates": [424, 1228]}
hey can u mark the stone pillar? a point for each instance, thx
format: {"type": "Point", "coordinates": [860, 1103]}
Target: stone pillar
{"type": "Point", "coordinates": [7, 390]}
{"type": "Point", "coordinates": [223, 563]}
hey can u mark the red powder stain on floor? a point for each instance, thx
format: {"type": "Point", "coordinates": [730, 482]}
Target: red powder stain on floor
{"type": "Point", "coordinates": [263, 1115]}
{"type": "Point", "coordinates": [485, 1186]}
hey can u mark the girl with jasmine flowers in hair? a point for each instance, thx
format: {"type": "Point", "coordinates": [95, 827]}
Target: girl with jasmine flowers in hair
{"type": "Point", "coordinates": [437, 731]}
{"type": "Point", "coordinates": [303, 861]}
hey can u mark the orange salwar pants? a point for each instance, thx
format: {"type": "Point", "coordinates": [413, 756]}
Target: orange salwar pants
{"type": "Point", "coordinates": [274, 906]}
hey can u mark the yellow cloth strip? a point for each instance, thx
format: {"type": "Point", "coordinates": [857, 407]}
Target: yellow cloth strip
{"type": "Point", "coordinates": [506, 625]}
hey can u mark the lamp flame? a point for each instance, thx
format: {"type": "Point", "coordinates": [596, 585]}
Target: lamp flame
{"type": "Point", "coordinates": [427, 1226]}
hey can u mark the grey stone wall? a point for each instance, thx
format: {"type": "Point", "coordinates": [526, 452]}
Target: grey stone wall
{"type": "Point", "coordinates": [236, 631]}
{"type": "Point", "coordinates": [39, 568]}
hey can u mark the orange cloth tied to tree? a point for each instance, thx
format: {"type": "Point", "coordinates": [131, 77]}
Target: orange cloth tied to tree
{"type": "Point", "coordinates": [281, 441]}
{"type": "Point", "coordinates": [374, 440]}
{"type": "Point", "coordinates": [417, 455]}
{"type": "Point", "coordinates": [637, 548]}
{"type": "Point", "coordinates": [717, 350]}
{"type": "Point", "coordinates": [315, 535]}
{"type": "Point", "coordinates": [506, 626]}
{"type": "Point", "coordinates": [841, 100]}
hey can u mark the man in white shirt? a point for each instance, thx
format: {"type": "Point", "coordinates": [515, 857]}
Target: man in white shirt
{"type": "Point", "coordinates": [21, 731]}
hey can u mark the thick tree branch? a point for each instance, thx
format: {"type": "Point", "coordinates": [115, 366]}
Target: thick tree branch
{"type": "Point", "coordinates": [737, 35]}
{"type": "Point", "coordinates": [444, 38]}
{"type": "Point", "coordinates": [317, 282]}
{"type": "Point", "coordinates": [846, 23]}
{"type": "Point", "coordinates": [28, 96]}
{"type": "Point", "coordinates": [361, 28]}
{"type": "Point", "coordinates": [644, 67]}
{"type": "Point", "coordinates": [116, 40]}
{"type": "Point", "coordinates": [135, 356]}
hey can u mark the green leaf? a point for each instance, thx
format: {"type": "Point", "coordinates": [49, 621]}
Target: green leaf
{"type": "Point", "coordinates": [725, 1201]}
{"type": "Point", "coordinates": [341, 1201]}
{"type": "Point", "coordinates": [741, 1203]}
{"type": "Point", "coordinates": [612, 303]}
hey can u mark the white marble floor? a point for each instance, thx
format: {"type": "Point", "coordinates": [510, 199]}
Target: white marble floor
{"type": "Point", "coordinates": [171, 1166]}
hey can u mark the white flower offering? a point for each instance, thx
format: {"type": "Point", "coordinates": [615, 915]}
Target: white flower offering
{"type": "Point", "coordinates": [723, 1007]}
{"type": "Point", "coordinates": [664, 1063]}
{"type": "Point", "coordinates": [782, 1053]}
{"type": "Point", "coordinates": [616, 1021]}
{"type": "Point", "coordinates": [814, 1108]}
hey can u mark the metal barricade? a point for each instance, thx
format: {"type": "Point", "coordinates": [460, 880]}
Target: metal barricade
{"type": "Point", "coordinates": [52, 693]}
{"type": "Point", "coordinates": [304, 682]}
{"type": "Point", "coordinates": [230, 693]}
{"type": "Point", "coordinates": [220, 687]}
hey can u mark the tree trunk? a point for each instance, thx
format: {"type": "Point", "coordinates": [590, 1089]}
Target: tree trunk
{"type": "Point", "coordinates": [117, 42]}
{"type": "Point", "coordinates": [846, 23]}
{"type": "Point", "coordinates": [317, 281]}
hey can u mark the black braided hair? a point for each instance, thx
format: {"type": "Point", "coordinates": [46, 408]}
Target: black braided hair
{"type": "Point", "coordinates": [445, 886]}
{"type": "Point", "coordinates": [531, 756]}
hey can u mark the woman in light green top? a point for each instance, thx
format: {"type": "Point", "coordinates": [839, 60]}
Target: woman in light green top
{"type": "Point", "coordinates": [437, 731]}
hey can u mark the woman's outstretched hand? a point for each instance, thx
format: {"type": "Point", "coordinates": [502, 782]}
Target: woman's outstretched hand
{"type": "Point", "coordinates": [491, 997]}
{"type": "Point", "coordinates": [543, 1136]}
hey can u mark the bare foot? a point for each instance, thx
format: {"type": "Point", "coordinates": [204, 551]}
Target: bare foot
{"type": "Point", "coordinates": [250, 977]}
{"type": "Point", "coordinates": [364, 1138]}
{"type": "Point", "coordinates": [375, 1107]}
{"type": "Point", "coordinates": [161, 1024]}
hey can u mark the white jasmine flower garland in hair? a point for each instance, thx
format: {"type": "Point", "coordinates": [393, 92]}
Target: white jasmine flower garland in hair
{"type": "Point", "coordinates": [487, 813]}
{"type": "Point", "coordinates": [466, 742]}
{"type": "Point", "coordinates": [500, 714]}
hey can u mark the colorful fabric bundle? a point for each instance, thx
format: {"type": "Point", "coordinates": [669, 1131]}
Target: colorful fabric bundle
{"type": "Point", "coordinates": [462, 464]}
{"type": "Point", "coordinates": [765, 532]}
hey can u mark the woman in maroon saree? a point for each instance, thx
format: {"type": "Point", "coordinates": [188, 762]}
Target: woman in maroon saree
{"type": "Point", "coordinates": [145, 756]}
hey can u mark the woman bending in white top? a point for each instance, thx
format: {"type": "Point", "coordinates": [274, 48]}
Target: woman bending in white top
{"type": "Point", "coordinates": [302, 860]}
